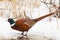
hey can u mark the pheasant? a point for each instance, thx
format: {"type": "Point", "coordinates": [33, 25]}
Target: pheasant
{"type": "Point", "coordinates": [25, 24]}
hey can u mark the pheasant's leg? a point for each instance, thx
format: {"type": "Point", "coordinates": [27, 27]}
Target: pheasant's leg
{"type": "Point", "coordinates": [22, 33]}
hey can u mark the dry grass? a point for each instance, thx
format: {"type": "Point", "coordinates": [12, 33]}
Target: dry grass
{"type": "Point", "coordinates": [29, 38]}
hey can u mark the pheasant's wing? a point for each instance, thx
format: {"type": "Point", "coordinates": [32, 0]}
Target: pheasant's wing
{"type": "Point", "coordinates": [20, 21]}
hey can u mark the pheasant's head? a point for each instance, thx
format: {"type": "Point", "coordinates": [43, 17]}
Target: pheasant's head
{"type": "Point", "coordinates": [11, 21]}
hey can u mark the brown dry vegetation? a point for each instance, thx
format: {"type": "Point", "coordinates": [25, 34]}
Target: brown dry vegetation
{"type": "Point", "coordinates": [33, 37]}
